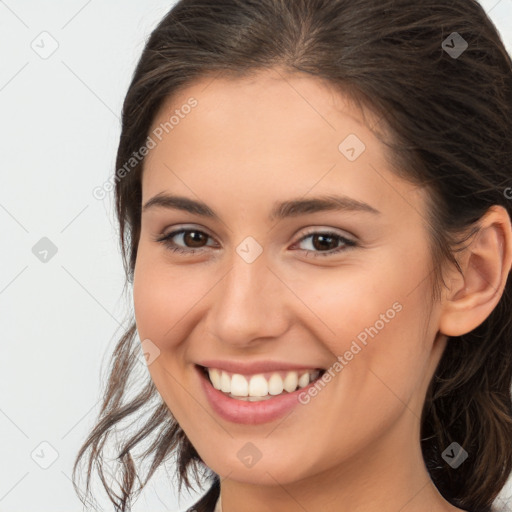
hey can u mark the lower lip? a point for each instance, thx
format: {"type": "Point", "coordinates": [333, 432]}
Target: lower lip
{"type": "Point", "coordinates": [250, 413]}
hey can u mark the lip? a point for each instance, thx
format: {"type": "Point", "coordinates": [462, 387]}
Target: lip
{"type": "Point", "coordinates": [249, 413]}
{"type": "Point", "coordinates": [254, 367]}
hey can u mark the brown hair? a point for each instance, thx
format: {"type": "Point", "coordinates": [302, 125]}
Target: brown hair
{"type": "Point", "coordinates": [450, 120]}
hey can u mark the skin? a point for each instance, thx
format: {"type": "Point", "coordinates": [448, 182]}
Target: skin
{"type": "Point", "coordinates": [273, 137]}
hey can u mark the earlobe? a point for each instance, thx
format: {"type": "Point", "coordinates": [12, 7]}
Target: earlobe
{"type": "Point", "coordinates": [485, 262]}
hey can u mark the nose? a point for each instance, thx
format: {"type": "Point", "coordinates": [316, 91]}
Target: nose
{"type": "Point", "coordinates": [251, 303]}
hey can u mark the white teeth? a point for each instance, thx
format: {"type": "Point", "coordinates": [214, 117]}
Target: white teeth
{"type": "Point", "coordinates": [303, 380]}
{"type": "Point", "coordinates": [215, 378]}
{"type": "Point", "coordinates": [239, 385]}
{"type": "Point", "coordinates": [290, 381]}
{"type": "Point", "coordinates": [257, 387]}
{"type": "Point", "coordinates": [225, 382]}
{"type": "Point", "coordinates": [275, 384]}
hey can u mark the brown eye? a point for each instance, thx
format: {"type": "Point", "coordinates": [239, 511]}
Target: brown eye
{"type": "Point", "coordinates": [326, 243]}
{"type": "Point", "coordinates": [194, 238]}
{"type": "Point", "coordinates": [185, 240]}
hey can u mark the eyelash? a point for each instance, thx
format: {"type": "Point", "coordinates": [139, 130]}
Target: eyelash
{"type": "Point", "coordinates": [347, 243]}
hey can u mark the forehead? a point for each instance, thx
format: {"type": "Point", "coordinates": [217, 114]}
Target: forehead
{"type": "Point", "coordinates": [283, 114]}
{"type": "Point", "coordinates": [265, 136]}
{"type": "Point", "coordinates": [272, 96]}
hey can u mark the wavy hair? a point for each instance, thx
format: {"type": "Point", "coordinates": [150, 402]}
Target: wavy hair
{"type": "Point", "coordinates": [448, 121]}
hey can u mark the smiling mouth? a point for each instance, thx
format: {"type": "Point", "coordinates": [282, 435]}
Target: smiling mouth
{"type": "Point", "coordinates": [260, 386]}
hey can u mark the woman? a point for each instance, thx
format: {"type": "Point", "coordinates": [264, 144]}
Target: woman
{"type": "Point", "coordinates": [314, 206]}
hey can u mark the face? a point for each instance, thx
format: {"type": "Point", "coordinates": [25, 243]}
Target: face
{"type": "Point", "coordinates": [263, 290]}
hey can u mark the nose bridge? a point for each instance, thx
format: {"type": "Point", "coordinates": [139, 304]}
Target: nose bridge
{"type": "Point", "coordinates": [249, 301]}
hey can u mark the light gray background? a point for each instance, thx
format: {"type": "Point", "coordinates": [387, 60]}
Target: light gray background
{"type": "Point", "coordinates": [59, 130]}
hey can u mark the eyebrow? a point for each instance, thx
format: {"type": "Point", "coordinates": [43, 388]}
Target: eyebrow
{"type": "Point", "coordinates": [280, 210]}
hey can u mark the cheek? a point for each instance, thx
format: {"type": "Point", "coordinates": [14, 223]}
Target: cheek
{"type": "Point", "coordinates": [372, 320]}
{"type": "Point", "coordinates": [374, 327]}
{"type": "Point", "coordinates": [162, 297]}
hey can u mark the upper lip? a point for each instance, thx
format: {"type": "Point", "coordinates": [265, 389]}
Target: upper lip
{"type": "Point", "coordinates": [253, 367]}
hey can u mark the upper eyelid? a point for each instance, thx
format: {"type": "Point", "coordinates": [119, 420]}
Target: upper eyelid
{"type": "Point", "coordinates": [334, 231]}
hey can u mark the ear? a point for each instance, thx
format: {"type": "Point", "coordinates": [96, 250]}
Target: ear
{"type": "Point", "coordinates": [485, 263]}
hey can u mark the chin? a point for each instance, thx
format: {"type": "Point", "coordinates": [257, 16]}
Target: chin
{"type": "Point", "coordinates": [270, 472]}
